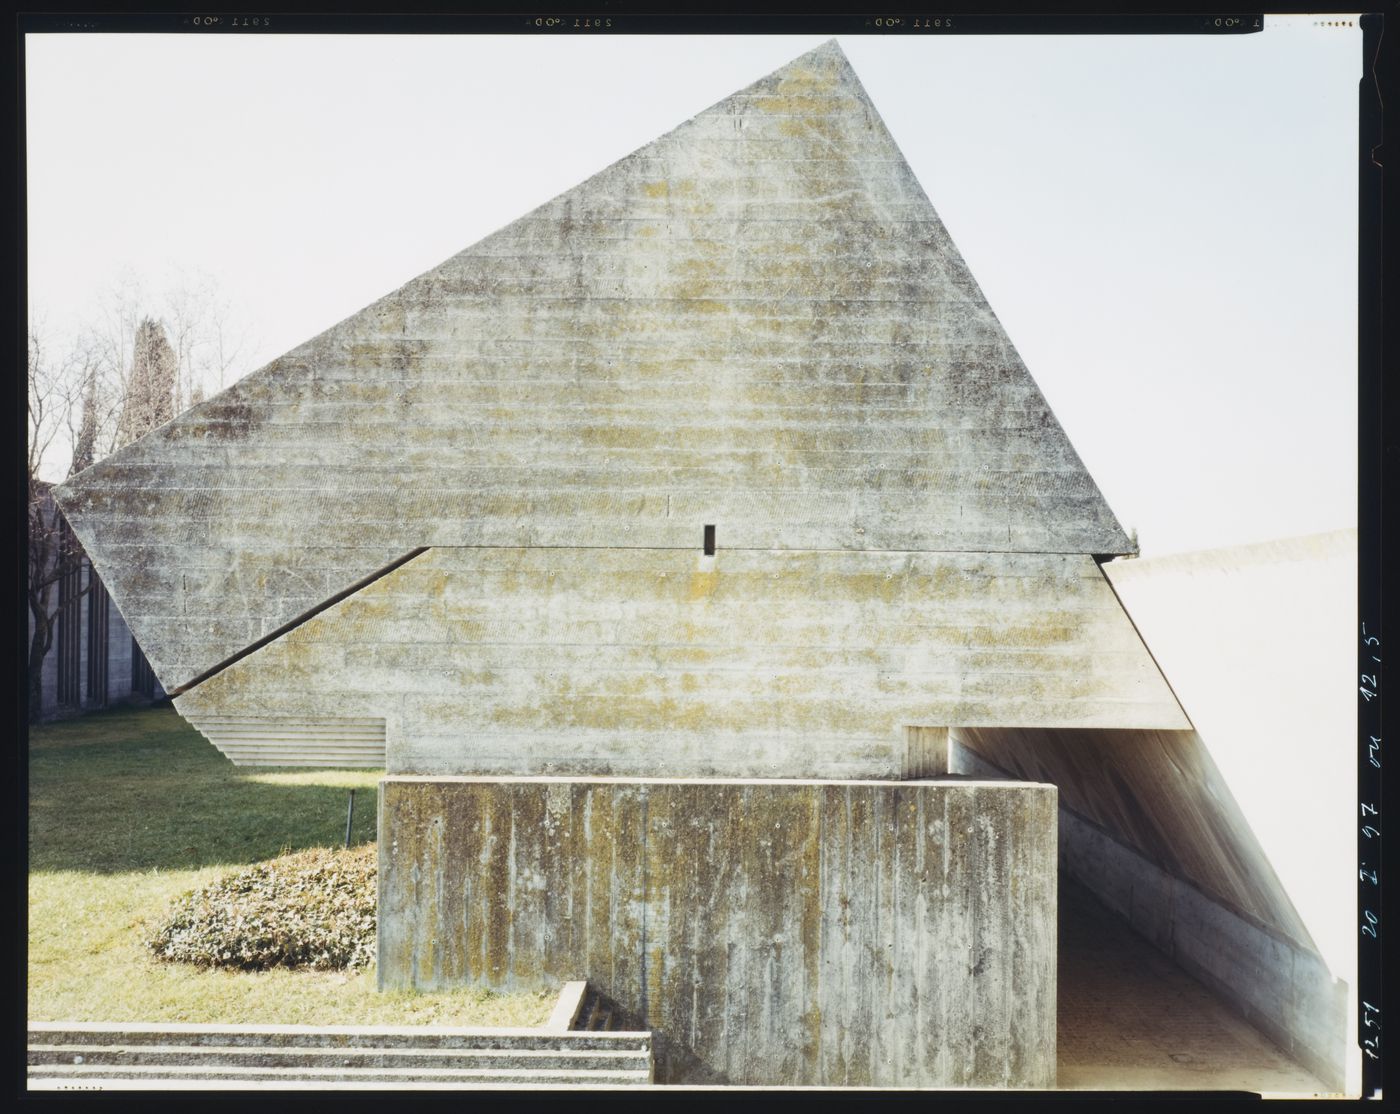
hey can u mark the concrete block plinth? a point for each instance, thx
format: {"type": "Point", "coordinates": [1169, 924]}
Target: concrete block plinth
{"type": "Point", "coordinates": [830, 933]}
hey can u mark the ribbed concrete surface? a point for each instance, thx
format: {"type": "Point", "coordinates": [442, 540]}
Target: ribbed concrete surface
{"type": "Point", "coordinates": [1159, 793]}
{"type": "Point", "coordinates": [758, 321]}
{"type": "Point", "coordinates": [661, 662]}
{"type": "Point", "coordinates": [319, 740]}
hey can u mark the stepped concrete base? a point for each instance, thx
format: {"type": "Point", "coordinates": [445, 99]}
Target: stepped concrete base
{"type": "Point", "coordinates": [829, 933]}
{"type": "Point", "coordinates": [77, 1056]}
{"type": "Point", "coordinates": [279, 1083]}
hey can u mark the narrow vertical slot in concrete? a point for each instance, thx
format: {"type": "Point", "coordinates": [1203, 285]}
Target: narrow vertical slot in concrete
{"type": "Point", "coordinates": [709, 541]}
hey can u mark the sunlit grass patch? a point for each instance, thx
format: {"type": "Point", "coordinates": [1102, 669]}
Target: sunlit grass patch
{"type": "Point", "coordinates": [129, 810]}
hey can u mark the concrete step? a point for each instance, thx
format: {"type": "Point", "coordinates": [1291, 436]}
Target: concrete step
{"type": "Point", "coordinates": [82, 1055]}
{"type": "Point", "coordinates": [596, 1013]}
{"type": "Point", "coordinates": [479, 1076]}
{"type": "Point", "coordinates": [196, 1083]}
{"type": "Point", "coordinates": [329, 1036]}
{"type": "Point", "coordinates": [395, 1058]}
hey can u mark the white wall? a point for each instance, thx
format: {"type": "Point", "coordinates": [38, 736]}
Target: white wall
{"type": "Point", "coordinates": [1259, 644]}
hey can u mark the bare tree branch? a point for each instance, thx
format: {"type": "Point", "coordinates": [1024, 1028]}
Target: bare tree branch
{"type": "Point", "coordinates": [111, 383]}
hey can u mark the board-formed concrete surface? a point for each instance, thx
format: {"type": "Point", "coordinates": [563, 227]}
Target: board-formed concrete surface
{"type": "Point", "coordinates": [756, 322]}
{"type": "Point", "coordinates": [829, 933]}
{"type": "Point", "coordinates": [671, 663]}
{"type": "Point", "coordinates": [468, 521]}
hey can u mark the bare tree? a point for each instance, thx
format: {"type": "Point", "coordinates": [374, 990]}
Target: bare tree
{"type": "Point", "coordinates": [126, 346]}
{"type": "Point", "coordinates": [63, 398]}
{"type": "Point", "coordinates": [207, 340]}
{"type": "Point", "coordinates": [148, 400]}
{"type": "Point", "coordinates": [74, 398]}
{"type": "Point", "coordinates": [109, 385]}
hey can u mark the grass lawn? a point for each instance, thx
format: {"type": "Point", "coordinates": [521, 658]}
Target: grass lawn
{"type": "Point", "coordinates": [131, 808]}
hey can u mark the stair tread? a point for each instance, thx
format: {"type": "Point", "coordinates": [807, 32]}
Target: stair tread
{"type": "Point", "coordinates": [349, 1072]}
{"type": "Point", "coordinates": [331, 1051]}
{"type": "Point", "coordinates": [186, 1028]}
{"type": "Point", "coordinates": [60, 1083]}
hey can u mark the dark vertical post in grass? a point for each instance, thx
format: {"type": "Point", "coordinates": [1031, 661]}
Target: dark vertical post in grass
{"type": "Point", "coordinates": [349, 817]}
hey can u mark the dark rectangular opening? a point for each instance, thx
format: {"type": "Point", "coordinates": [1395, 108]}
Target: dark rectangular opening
{"type": "Point", "coordinates": [143, 678]}
{"type": "Point", "coordinates": [69, 617]}
{"type": "Point", "coordinates": [709, 541]}
{"type": "Point", "coordinates": [97, 641]}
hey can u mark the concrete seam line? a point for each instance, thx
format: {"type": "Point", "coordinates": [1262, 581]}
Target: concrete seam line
{"type": "Point", "coordinates": [1128, 614]}
{"type": "Point", "coordinates": [272, 636]}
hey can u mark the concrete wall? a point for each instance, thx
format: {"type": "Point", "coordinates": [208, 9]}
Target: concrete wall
{"type": "Point", "coordinates": [1149, 827]}
{"type": "Point", "coordinates": [757, 322]}
{"type": "Point", "coordinates": [837, 933]}
{"type": "Point", "coordinates": [661, 662]}
{"type": "Point", "coordinates": [1260, 643]}
{"type": "Point", "coordinates": [1282, 988]}
{"type": "Point", "coordinates": [251, 739]}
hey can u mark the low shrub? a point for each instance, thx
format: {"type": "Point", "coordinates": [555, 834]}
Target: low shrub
{"type": "Point", "coordinates": [314, 909]}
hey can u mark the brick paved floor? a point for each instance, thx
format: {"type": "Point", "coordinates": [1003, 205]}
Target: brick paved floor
{"type": "Point", "coordinates": [1129, 1019]}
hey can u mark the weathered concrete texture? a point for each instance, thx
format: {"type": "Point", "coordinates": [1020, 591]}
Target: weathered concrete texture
{"type": "Point", "coordinates": [757, 321]}
{"type": "Point", "coordinates": [660, 662]}
{"type": "Point", "coordinates": [837, 933]}
{"type": "Point", "coordinates": [1277, 981]}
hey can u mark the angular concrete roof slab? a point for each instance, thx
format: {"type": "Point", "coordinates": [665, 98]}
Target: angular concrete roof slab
{"type": "Point", "coordinates": [756, 321]}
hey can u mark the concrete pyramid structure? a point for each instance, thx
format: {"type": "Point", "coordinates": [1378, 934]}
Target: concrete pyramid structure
{"type": "Point", "coordinates": [756, 322]}
{"type": "Point", "coordinates": [464, 535]}
{"type": "Point", "coordinates": [659, 545]}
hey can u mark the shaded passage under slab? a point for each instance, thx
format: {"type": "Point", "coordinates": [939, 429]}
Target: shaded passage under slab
{"type": "Point", "coordinates": [1129, 1019]}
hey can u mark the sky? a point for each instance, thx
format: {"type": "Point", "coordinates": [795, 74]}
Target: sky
{"type": "Point", "coordinates": [1165, 225]}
